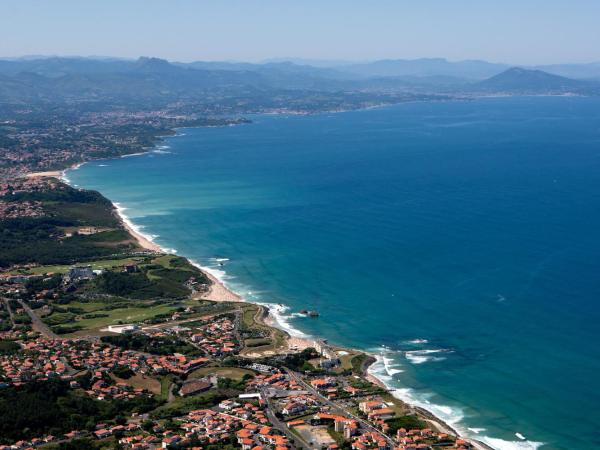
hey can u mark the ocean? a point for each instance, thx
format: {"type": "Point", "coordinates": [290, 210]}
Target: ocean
{"type": "Point", "coordinates": [457, 241]}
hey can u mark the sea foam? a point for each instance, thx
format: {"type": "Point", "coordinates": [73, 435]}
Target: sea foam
{"type": "Point", "coordinates": [501, 444]}
{"type": "Point", "coordinates": [450, 415]}
{"type": "Point", "coordinates": [423, 356]}
{"type": "Point", "coordinates": [281, 315]}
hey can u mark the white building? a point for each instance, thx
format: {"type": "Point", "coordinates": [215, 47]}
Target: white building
{"type": "Point", "coordinates": [126, 328]}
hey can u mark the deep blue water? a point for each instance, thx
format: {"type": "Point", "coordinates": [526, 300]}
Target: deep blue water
{"type": "Point", "coordinates": [466, 233]}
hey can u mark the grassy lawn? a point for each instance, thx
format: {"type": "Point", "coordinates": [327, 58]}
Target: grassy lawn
{"type": "Point", "coordinates": [93, 316]}
{"type": "Point", "coordinates": [397, 405]}
{"type": "Point", "coordinates": [126, 312]}
{"type": "Point", "coordinates": [270, 348]}
{"type": "Point", "coordinates": [182, 405]}
{"type": "Point", "coordinates": [126, 315]}
{"type": "Point", "coordinates": [273, 340]}
{"type": "Point", "coordinates": [352, 361]}
{"type": "Point", "coordinates": [140, 381]}
{"type": "Point", "coordinates": [357, 362]}
{"type": "Point", "coordinates": [99, 264]}
{"type": "Point", "coordinates": [166, 261]}
{"type": "Point", "coordinates": [249, 314]}
{"type": "Point", "coordinates": [258, 342]}
{"type": "Point", "coordinates": [235, 373]}
{"type": "Point", "coordinates": [165, 385]}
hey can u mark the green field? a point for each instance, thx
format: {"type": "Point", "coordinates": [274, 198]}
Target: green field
{"type": "Point", "coordinates": [103, 314]}
{"type": "Point", "coordinates": [182, 405]}
{"type": "Point", "coordinates": [126, 315]}
{"type": "Point", "coordinates": [96, 265]}
{"type": "Point", "coordinates": [257, 342]}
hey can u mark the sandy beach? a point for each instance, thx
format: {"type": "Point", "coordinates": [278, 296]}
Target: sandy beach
{"type": "Point", "coordinates": [218, 292]}
{"type": "Point", "coordinates": [60, 174]}
{"type": "Point", "coordinates": [141, 240]}
{"type": "Point", "coordinates": [298, 343]}
{"type": "Point", "coordinates": [51, 173]}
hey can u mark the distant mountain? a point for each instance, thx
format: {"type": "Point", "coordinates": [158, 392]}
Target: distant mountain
{"type": "Point", "coordinates": [149, 80]}
{"type": "Point", "coordinates": [425, 67]}
{"type": "Point", "coordinates": [439, 67]}
{"type": "Point", "coordinates": [58, 66]}
{"type": "Point", "coordinates": [322, 63]}
{"type": "Point", "coordinates": [55, 66]}
{"type": "Point", "coordinates": [276, 71]}
{"type": "Point", "coordinates": [578, 71]}
{"type": "Point", "coordinates": [158, 81]}
{"type": "Point", "coordinates": [519, 80]}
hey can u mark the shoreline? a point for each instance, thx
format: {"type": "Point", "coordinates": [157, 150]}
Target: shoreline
{"type": "Point", "coordinates": [140, 238]}
{"type": "Point", "coordinates": [218, 291]}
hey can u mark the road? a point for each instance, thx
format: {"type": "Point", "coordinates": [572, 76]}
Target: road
{"type": "Point", "coordinates": [10, 311]}
{"type": "Point", "coordinates": [37, 324]}
{"type": "Point", "coordinates": [171, 395]}
{"type": "Point", "coordinates": [281, 426]}
{"type": "Point", "coordinates": [365, 424]}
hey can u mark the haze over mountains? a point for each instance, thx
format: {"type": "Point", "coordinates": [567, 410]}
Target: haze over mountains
{"type": "Point", "coordinates": [75, 78]}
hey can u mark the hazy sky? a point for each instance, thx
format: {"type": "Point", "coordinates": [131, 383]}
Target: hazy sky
{"type": "Point", "coordinates": [512, 31]}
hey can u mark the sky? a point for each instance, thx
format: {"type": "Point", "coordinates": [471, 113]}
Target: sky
{"type": "Point", "coordinates": [509, 31]}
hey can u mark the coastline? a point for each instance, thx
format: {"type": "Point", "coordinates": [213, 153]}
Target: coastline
{"type": "Point", "coordinates": [271, 315]}
{"type": "Point", "coordinates": [140, 238]}
{"type": "Point", "coordinates": [219, 292]}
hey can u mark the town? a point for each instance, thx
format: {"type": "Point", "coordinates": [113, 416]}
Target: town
{"type": "Point", "coordinates": [273, 406]}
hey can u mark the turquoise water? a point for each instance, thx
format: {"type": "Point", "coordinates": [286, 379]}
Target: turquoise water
{"type": "Point", "coordinates": [459, 241]}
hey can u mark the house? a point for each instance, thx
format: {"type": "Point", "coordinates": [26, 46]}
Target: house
{"type": "Point", "coordinates": [194, 387]}
{"type": "Point", "coordinates": [247, 443]}
{"type": "Point", "coordinates": [121, 329]}
{"type": "Point", "coordinates": [295, 423]}
{"type": "Point", "coordinates": [328, 363]}
{"type": "Point", "coordinates": [351, 390]}
{"type": "Point", "coordinates": [130, 268]}
{"type": "Point", "coordinates": [382, 413]}
{"type": "Point", "coordinates": [322, 383]}
{"type": "Point", "coordinates": [228, 405]}
{"type": "Point", "coordinates": [79, 273]}
{"type": "Point", "coordinates": [293, 408]}
{"type": "Point", "coordinates": [371, 405]}
{"type": "Point", "coordinates": [72, 434]}
{"type": "Point", "coordinates": [102, 433]}
{"type": "Point", "coordinates": [169, 441]}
